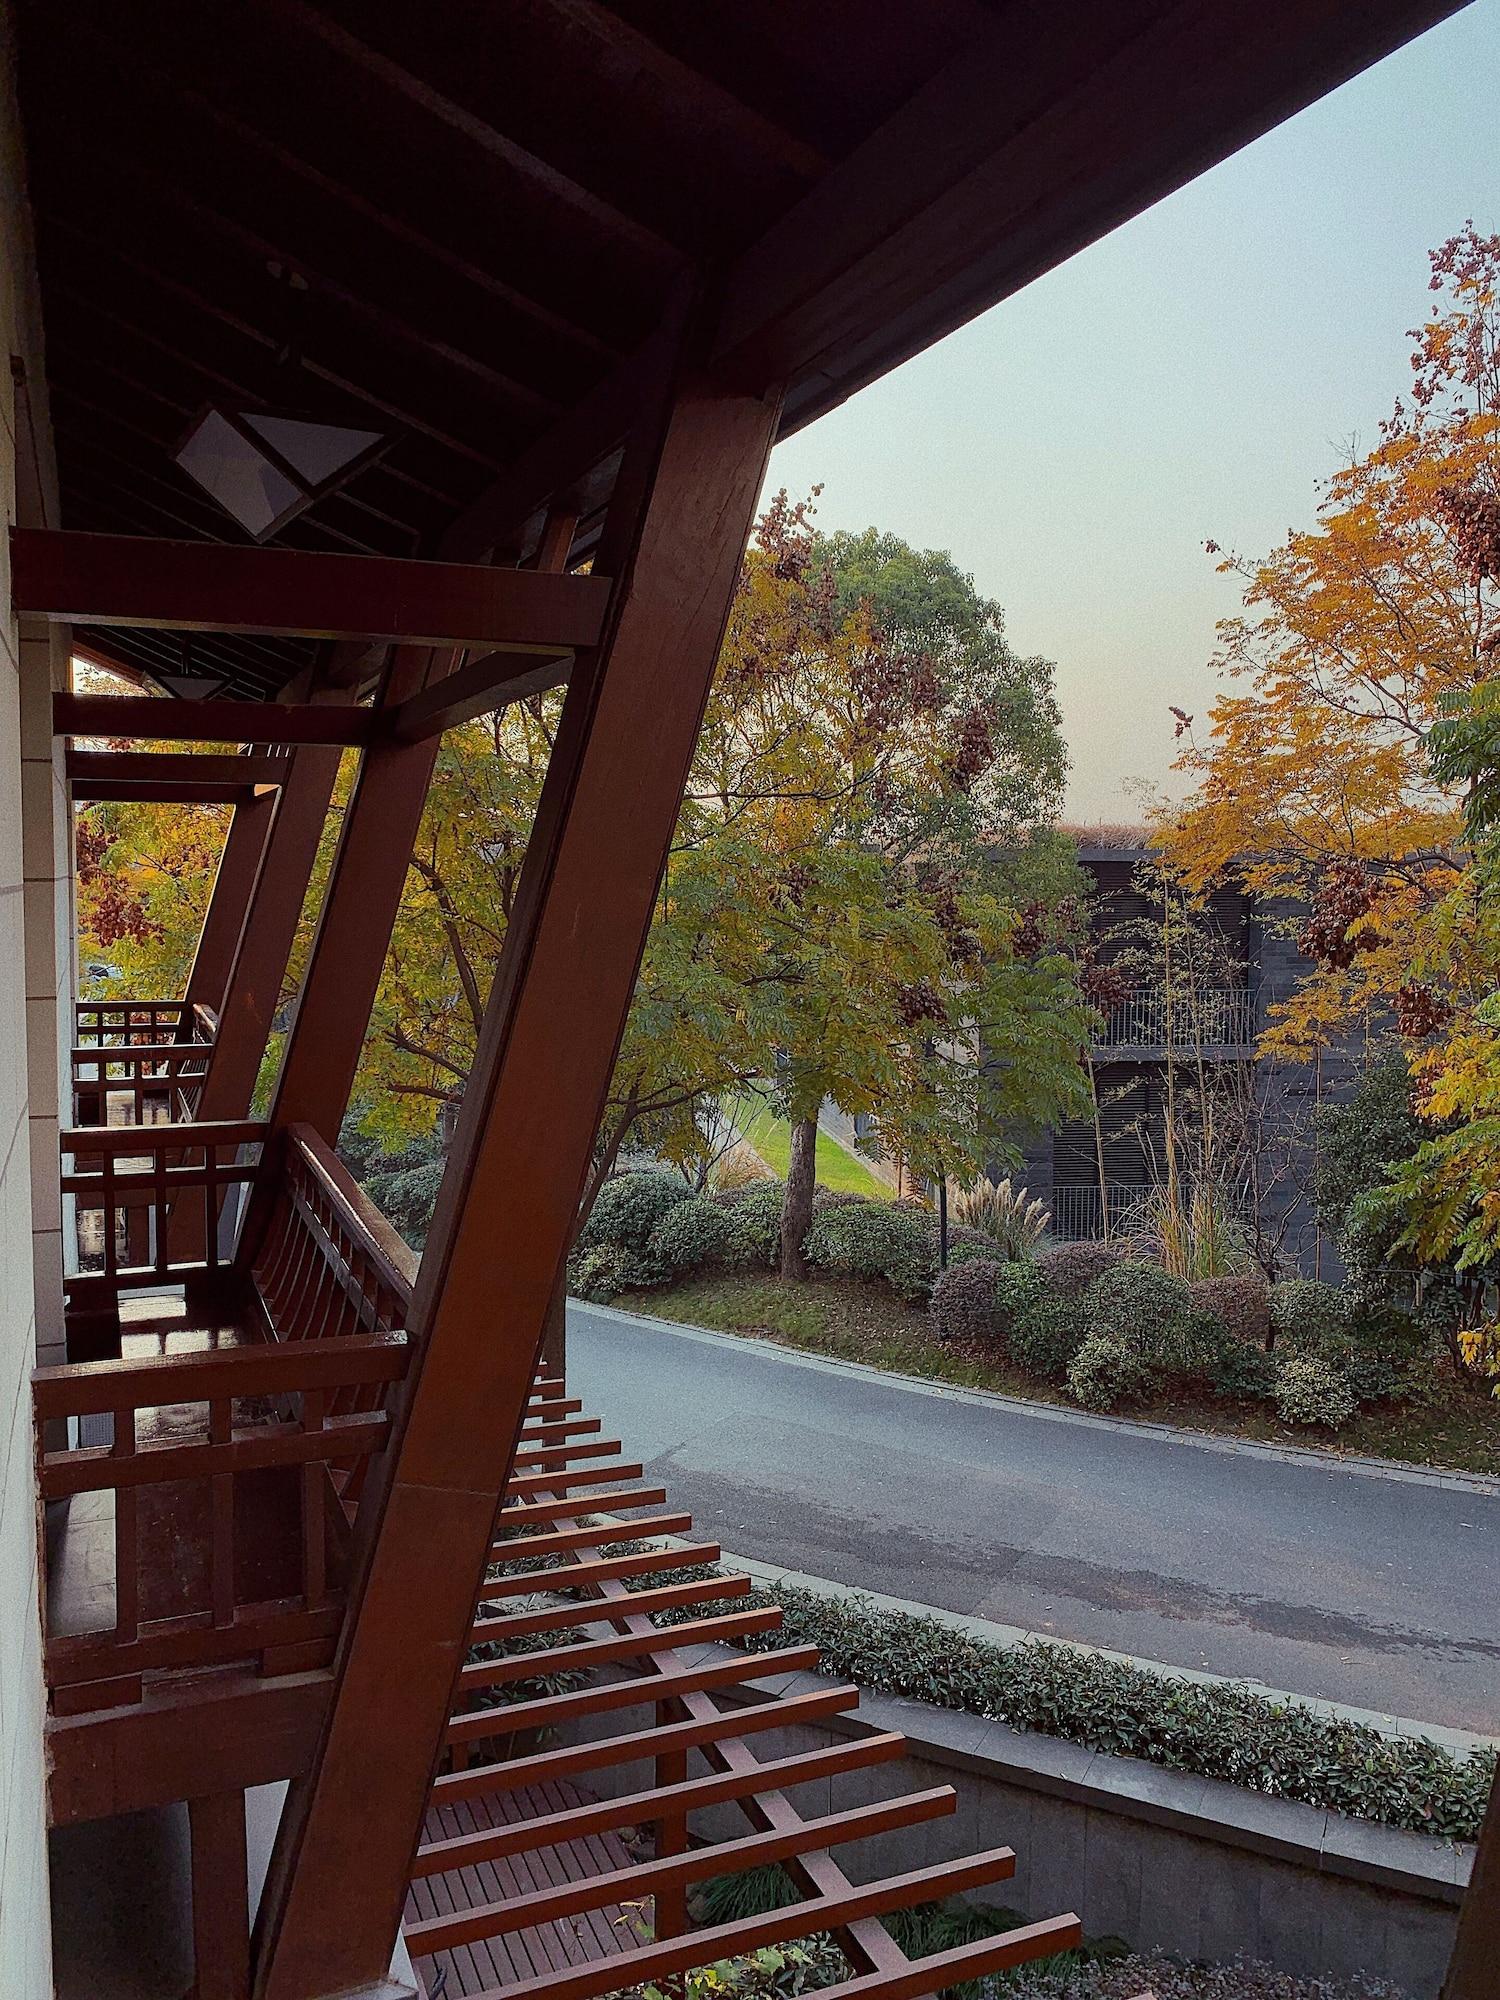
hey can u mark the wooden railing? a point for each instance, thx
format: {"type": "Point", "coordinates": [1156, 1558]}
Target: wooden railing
{"type": "Point", "coordinates": [149, 1205]}
{"type": "Point", "coordinates": [145, 1059]}
{"type": "Point", "coordinates": [327, 1263]}
{"type": "Point", "coordinates": [227, 1533]}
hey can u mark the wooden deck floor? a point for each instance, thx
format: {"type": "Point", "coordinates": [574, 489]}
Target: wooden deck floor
{"type": "Point", "coordinates": [518, 1955]}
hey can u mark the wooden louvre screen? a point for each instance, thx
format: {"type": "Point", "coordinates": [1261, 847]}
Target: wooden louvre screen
{"type": "Point", "coordinates": [526, 1884]}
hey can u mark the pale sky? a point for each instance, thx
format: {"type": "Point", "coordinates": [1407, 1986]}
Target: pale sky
{"type": "Point", "coordinates": [1192, 376]}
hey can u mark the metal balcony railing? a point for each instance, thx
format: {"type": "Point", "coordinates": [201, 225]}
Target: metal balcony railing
{"type": "Point", "coordinates": [1078, 1212]}
{"type": "Point", "coordinates": [1154, 1018]}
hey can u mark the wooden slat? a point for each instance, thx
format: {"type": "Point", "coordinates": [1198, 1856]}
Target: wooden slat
{"type": "Point", "coordinates": [648, 1877]}
{"type": "Point", "coordinates": [550, 1711]}
{"type": "Point", "coordinates": [90, 1388]}
{"type": "Point", "coordinates": [93, 1469]}
{"type": "Point", "coordinates": [575, 1759]}
{"type": "Point", "coordinates": [718, 1629]}
{"type": "Point", "coordinates": [522, 1548]}
{"type": "Point", "coordinates": [654, 1962]}
{"type": "Point", "coordinates": [640, 1808]}
{"type": "Point", "coordinates": [535, 1512]}
{"type": "Point", "coordinates": [584, 1575]}
{"type": "Point", "coordinates": [560, 1617]}
{"type": "Point", "coordinates": [128, 580]}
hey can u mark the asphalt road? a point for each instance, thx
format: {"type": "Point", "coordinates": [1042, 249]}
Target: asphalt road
{"type": "Point", "coordinates": [1312, 1577]}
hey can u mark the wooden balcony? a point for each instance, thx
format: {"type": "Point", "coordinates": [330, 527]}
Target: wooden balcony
{"type": "Point", "coordinates": [140, 1062]}
{"type": "Point", "coordinates": [201, 1469]}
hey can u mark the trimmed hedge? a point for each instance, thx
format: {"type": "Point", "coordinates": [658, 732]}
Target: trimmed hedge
{"type": "Point", "coordinates": [1218, 1730]}
{"type": "Point", "coordinates": [1070, 1268]}
{"type": "Point", "coordinates": [756, 1209]}
{"type": "Point", "coordinates": [1042, 1330]}
{"type": "Point", "coordinates": [1242, 1306]}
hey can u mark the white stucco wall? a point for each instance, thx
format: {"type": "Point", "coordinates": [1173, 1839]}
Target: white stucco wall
{"type": "Point", "coordinates": [30, 902]}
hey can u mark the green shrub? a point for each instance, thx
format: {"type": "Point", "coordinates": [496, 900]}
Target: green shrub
{"type": "Point", "coordinates": [1305, 1313]}
{"type": "Point", "coordinates": [1150, 1311]}
{"type": "Point", "coordinates": [1311, 1389]}
{"type": "Point", "coordinates": [875, 1239]}
{"type": "Point", "coordinates": [964, 1311]}
{"type": "Point", "coordinates": [967, 1246]}
{"type": "Point", "coordinates": [1386, 1348]}
{"type": "Point", "coordinates": [1108, 1370]}
{"type": "Point", "coordinates": [1042, 1331]}
{"type": "Point", "coordinates": [601, 1274]}
{"type": "Point", "coordinates": [1242, 1306]}
{"type": "Point", "coordinates": [1070, 1268]}
{"type": "Point", "coordinates": [629, 1207]}
{"type": "Point", "coordinates": [1213, 1729]}
{"type": "Point", "coordinates": [756, 1209]}
{"type": "Point", "coordinates": [1241, 1373]}
{"type": "Point", "coordinates": [697, 1232]}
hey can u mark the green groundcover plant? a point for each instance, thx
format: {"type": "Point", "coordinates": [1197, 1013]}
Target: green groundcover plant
{"type": "Point", "coordinates": [1220, 1729]}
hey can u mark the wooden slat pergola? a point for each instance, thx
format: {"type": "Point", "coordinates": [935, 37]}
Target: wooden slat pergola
{"type": "Point", "coordinates": [580, 266]}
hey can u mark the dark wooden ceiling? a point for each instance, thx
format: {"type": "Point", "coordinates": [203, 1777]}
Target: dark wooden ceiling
{"type": "Point", "coordinates": [486, 203]}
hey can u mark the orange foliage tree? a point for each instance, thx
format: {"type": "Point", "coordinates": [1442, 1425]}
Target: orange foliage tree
{"type": "Point", "coordinates": [1314, 783]}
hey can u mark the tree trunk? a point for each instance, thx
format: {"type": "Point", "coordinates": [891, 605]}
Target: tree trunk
{"type": "Point", "coordinates": [796, 1210]}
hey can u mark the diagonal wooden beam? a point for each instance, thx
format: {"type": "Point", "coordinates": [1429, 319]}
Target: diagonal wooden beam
{"type": "Point", "coordinates": [510, 1194]}
{"type": "Point", "coordinates": [288, 593]}
{"type": "Point", "coordinates": [229, 902]}
{"type": "Point", "coordinates": [479, 686]}
{"type": "Point", "coordinates": [151, 720]}
{"type": "Point", "coordinates": [1471, 1970]}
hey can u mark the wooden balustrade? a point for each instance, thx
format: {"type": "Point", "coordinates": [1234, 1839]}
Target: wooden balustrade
{"type": "Point", "coordinates": [227, 1532]}
{"type": "Point", "coordinates": [149, 1205]}
{"type": "Point", "coordinates": [147, 1057]}
{"type": "Point", "coordinates": [327, 1263]}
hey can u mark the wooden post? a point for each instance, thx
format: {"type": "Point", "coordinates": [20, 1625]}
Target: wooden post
{"type": "Point", "coordinates": [221, 1897]}
{"type": "Point", "coordinates": [234, 884]}
{"type": "Point", "coordinates": [1476, 1950]}
{"type": "Point", "coordinates": [511, 1191]}
{"type": "Point", "coordinates": [265, 943]}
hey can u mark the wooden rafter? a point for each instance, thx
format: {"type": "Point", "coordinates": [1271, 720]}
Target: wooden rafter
{"type": "Point", "coordinates": [148, 720]}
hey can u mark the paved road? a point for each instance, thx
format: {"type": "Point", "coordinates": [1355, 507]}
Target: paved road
{"type": "Point", "coordinates": [1311, 1577]}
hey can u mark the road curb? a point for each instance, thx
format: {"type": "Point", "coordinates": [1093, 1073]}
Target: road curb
{"type": "Point", "coordinates": [1395, 1470]}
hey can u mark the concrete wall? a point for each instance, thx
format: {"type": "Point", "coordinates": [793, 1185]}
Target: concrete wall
{"type": "Point", "coordinates": [25, 1948]}
{"type": "Point", "coordinates": [1159, 1858]}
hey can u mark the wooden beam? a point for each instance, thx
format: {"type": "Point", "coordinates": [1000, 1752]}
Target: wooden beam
{"type": "Point", "coordinates": [510, 1193]}
{"type": "Point", "coordinates": [264, 949]}
{"type": "Point", "coordinates": [150, 767]}
{"type": "Point", "coordinates": [229, 902]}
{"type": "Point", "coordinates": [1476, 1950]}
{"type": "Point", "coordinates": [206, 1737]}
{"type": "Point", "coordinates": [165, 792]}
{"type": "Point", "coordinates": [147, 719]}
{"type": "Point", "coordinates": [1034, 141]}
{"type": "Point", "coordinates": [215, 587]}
{"type": "Point", "coordinates": [483, 684]}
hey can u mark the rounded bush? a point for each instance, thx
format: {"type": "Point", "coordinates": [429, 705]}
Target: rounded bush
{"type": "Point", "coordinates": [1242, 1306]}
{"type": "Point", "coordinates": [964, 1309]}
{"type": "Point", "coordinates": [1242, 1373]}
{"type": "Point", "coordinates": [695, 1232]}
{"type": "Point", "coordinates": [756, 1210]}
{"type": "Point", "coordinates": [968, 1246]}
{"type": "Point", "coordinates": [1385, 1347]}
{"type": "Point", "coordinates": [1310, 1389]}
{"type": "Point", "coordinates": [1070, 1268]}
{"type": "Point", "coordinates": [629, 1207]}
{"type": "Point", "coordinates": [601, 1274]}
{"type": "Point", "coordinates": [1107, 1370]}
{"type": "Point", "coordinates": [1305, 1314]}
{"type": "Point", "coordinates": [1041, 1330]}
{"type": "Point", "coordinates": [875, 1239]}
{"type": "Point", "coordinates": [1152, 1312]}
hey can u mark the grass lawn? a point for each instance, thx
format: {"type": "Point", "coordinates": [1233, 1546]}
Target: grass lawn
{"type": "Point", "coordinates": [856, 1322]}
{"type": "Point", "coordinates": [771, 1137]}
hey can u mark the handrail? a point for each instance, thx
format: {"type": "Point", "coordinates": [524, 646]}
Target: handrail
{"type": "Point", "coordinates": [375, 1234]}
{"type": "Point", "coordinates": [94, 1388]}
{"type": "Point", "coordinates": [162, 1138]}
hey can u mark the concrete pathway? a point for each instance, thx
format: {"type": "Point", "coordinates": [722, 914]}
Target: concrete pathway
{"type": "Point", "coordinates": [1329, 1580]}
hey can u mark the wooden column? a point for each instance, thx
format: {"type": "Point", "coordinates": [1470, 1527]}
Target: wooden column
{"type": "Point", "coordinates": [265, 943]}
{"type": "Point", "coordinates": [510, 1195]}
{"type": "Point", "coordinates": [364, 894]}
{"type": "Point", "coordinates": [229, 904]}
{"type": "Point", "coordinates": [1476, 1950]}
{"type": "Point", "coordinates": [221, 1897]}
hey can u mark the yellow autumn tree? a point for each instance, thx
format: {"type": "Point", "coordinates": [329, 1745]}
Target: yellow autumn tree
{"type": "Point", "coordinates": [1313, 783]}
